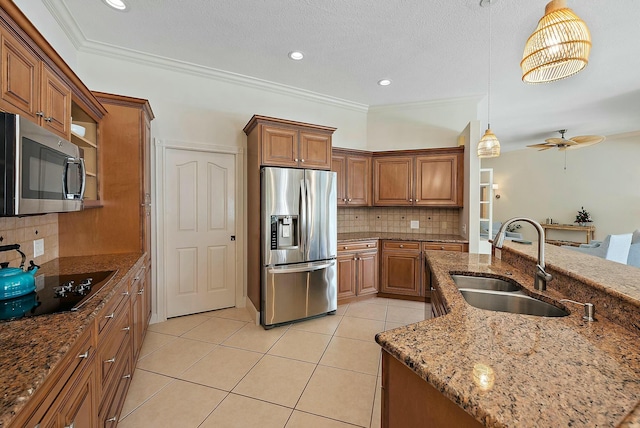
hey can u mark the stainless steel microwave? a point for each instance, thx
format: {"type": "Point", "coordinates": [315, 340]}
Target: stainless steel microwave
{"type": "Point", "coordinates": [39, 171]}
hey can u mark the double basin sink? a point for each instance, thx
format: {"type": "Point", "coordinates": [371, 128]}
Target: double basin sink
{"type": "Point", "coordinates": [495, 294]}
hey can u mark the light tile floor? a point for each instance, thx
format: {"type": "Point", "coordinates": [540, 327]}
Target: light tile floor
{"type": "Point", "coordinates": [218, 369]}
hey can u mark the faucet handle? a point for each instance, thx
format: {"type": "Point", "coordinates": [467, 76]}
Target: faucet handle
{"type": "Point", "coordinates": [589, 309]}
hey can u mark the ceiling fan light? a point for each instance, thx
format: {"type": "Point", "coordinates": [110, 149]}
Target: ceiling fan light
{"type": "Point", "coordinates": [558, 48]}
{"type": "Point", "coordinates": [489, 146]}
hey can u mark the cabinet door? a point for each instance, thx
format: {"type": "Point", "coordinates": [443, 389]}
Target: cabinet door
{"type": "Point", "coordinates": [346, 275]}
{"type": "Point", "coordinates": [146, 184]}
{"type": "Point", "coordinates": [393, 181]}
{"type": "Point", "coordinates": [20, 78]}
{"type": "Point", "coordinates": [401, 273]}
{"type": "Point", "coordinates": [55, 100]}
{"type": "Point", "coordinates": [279, 147]}
{"type": "Point", "coordinates": [367, 273]}
{"type": "Point", "coordinates": [359, 181]}
{"type": "Point", "coordinates": [315, 150]}
{"type": "Point", "coordinates": [339, 166]}
{"type": "Point", "coordinates": [437, 180]}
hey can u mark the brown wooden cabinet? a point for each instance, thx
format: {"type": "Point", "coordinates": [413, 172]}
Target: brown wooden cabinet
{"type": "Point", "coordinates": [353, 170]}
{"type": "Point", "coordinates": [430, 177]}
{"type": "Point", "coordinates": [357, 269]}
{"type": "Point", "coordinates": [121, 225]}
{"type": "Point", "coordinates": [410, 401]}
{"type": "Point", "coordinates": [140, 308]}
{"type": "Point", "coordinates": [401, 272]}
{"type": "Point", "coordinates": [31, 88]}
{"type": "Point", "coordinates": [290, 144]}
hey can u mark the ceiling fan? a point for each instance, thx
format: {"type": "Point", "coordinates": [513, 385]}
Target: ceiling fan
{"type": "Point", "coordinates": [568, 143]}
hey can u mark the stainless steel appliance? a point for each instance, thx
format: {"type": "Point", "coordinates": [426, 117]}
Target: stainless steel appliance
{"type": "Point", "coordinates": [55, 293]}
{"type": "Point", "coordinates": [39, 171]}
{"type": "Point", "coordinates": [299, 244]}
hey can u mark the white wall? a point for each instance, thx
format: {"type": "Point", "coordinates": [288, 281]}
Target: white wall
{"type": "Point", "coordinates": [604, 178]}
{"type": "Point", "coordinates": [46, 24]}
{"type": "Point", "coordinates": [419, 125]}
{"type": "Point", "coordinates": [194, 107]}
{"type": "Point", "coordinates": [470, 215]}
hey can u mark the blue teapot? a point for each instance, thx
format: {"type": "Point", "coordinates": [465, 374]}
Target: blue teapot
{"type": "Point", "coordinates": [16, 282]}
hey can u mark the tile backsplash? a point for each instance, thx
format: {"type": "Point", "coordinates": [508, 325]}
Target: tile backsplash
{"type": "Point", "coordinates": [398, 219]}
{"type": "Point", "coordinates": [25, 230]}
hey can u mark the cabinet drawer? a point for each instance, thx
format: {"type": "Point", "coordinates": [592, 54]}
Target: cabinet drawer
{"type": "Point", "coordinates": [114, 399]}
{"type": "Point", "coordinates": [358, 246]}
{"type": "Point", "coordinates": [442, 246]}
{"type": "Point", "coordinates": [112, 309]}
{"type": "Point", "coordinates": [113, 347]}
{"type": "Point", "coordinates": [400, 245]}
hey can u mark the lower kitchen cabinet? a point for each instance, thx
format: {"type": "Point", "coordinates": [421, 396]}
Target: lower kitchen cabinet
{"type": "Point", "coordinates": [140, 307]}
{"type": "Point", "coordinates": [357, 269]}
{"type": "Point", "coordinates": [436, 305]}
{"type": "Point", "coordinates": [401, 273]}
{"type": "Point", "coordinates": [410, 401]}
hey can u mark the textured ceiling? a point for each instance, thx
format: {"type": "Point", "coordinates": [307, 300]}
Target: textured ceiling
{"type": "Point", "coordinates": [430, 49]}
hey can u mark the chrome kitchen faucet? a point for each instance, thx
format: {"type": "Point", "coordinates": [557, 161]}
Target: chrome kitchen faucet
{"type": "Point", "coordinates": [541, 277]}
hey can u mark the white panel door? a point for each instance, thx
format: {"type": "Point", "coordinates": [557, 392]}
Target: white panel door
{"type": "Point", "coordinates": [199, 226]}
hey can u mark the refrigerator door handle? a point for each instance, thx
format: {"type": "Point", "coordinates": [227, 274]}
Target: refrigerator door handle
{"type": "Point", "coordinates": [308, 218]}
{"type": "Point", "coordinates": [302, 228]}
{"type": "Point", "coordinates": [296, 269]}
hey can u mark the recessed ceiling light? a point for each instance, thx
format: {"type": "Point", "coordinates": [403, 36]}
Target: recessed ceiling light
{"type": "Point", "coordinates": [384, 82]}
{"type": "Point", "coordinates": [296, 55]}
{"type": "Point", "coordinates": [116, 4]}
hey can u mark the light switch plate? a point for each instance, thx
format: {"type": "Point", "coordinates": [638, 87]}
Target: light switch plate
{"type": "Point", "coordinates": [415, 224]}
{"type": "Point", "coordinates": [38, 247]}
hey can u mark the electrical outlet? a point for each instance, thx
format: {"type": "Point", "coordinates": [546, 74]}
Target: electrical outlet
{"type": "Point", "coordinates": [38, 247]}
{"type": "Point", "coordinates": [415, 224]}
{"type": "Point", "coordinates": [464, 228]}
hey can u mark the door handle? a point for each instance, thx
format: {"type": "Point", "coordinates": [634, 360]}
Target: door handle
{"type": "Point", "coordinates": [233, 237]}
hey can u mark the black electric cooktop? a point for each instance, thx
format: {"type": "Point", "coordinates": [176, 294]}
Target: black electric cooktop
{"type": "Point", "coordinates": [53, 294]}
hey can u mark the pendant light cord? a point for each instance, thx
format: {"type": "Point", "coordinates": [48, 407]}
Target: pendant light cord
{"type": "Point", "coordinates": [489, 76]}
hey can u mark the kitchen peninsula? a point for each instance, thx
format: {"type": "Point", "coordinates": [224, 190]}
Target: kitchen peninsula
{"type": "Point", "coordinates": [515, 370]}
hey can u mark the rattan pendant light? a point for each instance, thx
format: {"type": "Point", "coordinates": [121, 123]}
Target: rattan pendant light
{"type": "Point", "coordinates": [558, 48]}
{"type": "Point", "coordinates": [489, 146]}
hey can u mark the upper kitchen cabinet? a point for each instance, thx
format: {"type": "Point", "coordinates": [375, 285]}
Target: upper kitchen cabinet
{"type": "Point", "coordinates": [430, 177]}
{"type": "Point", "coordinates": [33, 88]}
{"type": "Point", "coordinates": [290, 144]}
{"type": "Point", "coordinates": [122, 224]}
{"type": "Point", "coordinates": [353, 169]}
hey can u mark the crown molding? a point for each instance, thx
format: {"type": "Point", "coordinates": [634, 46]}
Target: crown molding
{"type": "Point", "coordinates": [84, 45]}
{"type": "Point", "coordinates": [475, 99]}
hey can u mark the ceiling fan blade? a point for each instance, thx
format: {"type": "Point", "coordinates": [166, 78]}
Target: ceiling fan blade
{"type": "Point", "coordinates": [537, 146]}
{"type": "Point", "coordinates": [545, 147]}
{"type": "Point", "coordinates": [588, 139]}
{"type": "Point", "coordinates": [555, 141]}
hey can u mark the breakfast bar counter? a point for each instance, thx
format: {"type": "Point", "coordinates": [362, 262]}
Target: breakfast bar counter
{"type": "Point", "coordinates": [511, 370]}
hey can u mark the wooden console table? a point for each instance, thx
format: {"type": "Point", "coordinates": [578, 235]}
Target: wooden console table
{"type": "Point", "coordinates": [589, 230]}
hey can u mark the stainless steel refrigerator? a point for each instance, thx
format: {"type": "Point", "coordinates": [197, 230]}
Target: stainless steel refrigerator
{"type": "Point", "coordinates": [299, 244]}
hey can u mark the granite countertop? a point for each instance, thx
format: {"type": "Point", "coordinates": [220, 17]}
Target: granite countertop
{"type": "Point", "coordinates": [31, 348]}
{"type": "Point", "coordinates": [546, 371]}
{"type": "Point", "coordinates": [398, 236]}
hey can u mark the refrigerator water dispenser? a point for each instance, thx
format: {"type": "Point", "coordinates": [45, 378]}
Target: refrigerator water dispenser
{"type": "Point", "coordinates": [284, 232]}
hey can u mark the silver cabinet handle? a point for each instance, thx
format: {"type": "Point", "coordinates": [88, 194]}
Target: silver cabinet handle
{"type": "Point", "coordinates": [349, 200]}
{"type": "Point", "coordinates": [73, 424]}
{"type": "Point", "coordinates": [442, 248]}
{"type": "Point", "coordinates": [417, 200]}
{"type": "Point", "coordinates": [345, 248]}
{"type": "Point", "coordinates": [410, 200]}
{"type": "Point", "coordinates": [296, 159]}
{"type": "Point", "coordinates": [125, 293]}
{"type": "Point", "coordinates": [113, 419]}
{"type": "Point", "coordinates": [110, 360]}
{"type": "Point", "coordinates": [369, 245]}
{"type": "Point", "coordinates": [111, 315]}
{"type": "Point", "coordinates": [84, 355]}
{"type": "Point", "coordinates": [401, 246]}
{"type": "Point", "coordinates": [127, 376]}
{"type": "Point", "coordinates": [141, 292]}
{"type": "Point", "coordinates": [344, 200]}
{"type": "Point", "coordinates": [48, 119]}
{"type": "Point", "coordinates": [126, 328]}
{"type": "Point", "coordinates": [40, 114]}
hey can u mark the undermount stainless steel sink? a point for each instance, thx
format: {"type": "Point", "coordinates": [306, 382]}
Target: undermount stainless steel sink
{"type": "Point", "coordinates": [483, 283]}
{"type": "Point", "coordinates": [515, 303]}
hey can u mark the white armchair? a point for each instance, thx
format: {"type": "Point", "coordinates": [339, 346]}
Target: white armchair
{"type": "Point", "coordinates": [495, 226]}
